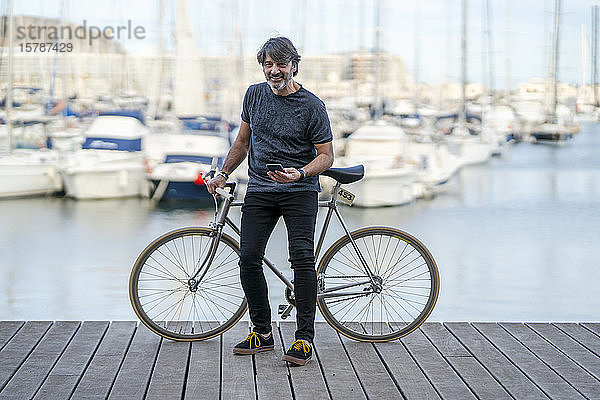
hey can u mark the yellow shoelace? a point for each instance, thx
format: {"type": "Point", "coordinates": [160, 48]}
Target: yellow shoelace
{"type": "Point", "coordinates": [254, 336]}
{"type": "Point", "coordinates": [300, 345]}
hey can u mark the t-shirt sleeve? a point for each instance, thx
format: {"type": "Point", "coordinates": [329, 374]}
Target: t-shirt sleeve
{"type": "Point", "coordinates": [319, 128]}
{"type": "Point", "coordinates": [246, 106]}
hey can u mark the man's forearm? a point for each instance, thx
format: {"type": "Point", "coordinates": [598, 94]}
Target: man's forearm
{"type": "Point", "coordinates": [320, 163]}
{"type": "Point", "coordinates": [235, 156]}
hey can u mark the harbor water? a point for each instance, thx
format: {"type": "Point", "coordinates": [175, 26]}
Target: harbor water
{"type": "Point", "coordinates": [515, 239]}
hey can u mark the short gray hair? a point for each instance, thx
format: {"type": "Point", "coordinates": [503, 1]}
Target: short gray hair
{"type": "Point", "coordinates": [280, 49]}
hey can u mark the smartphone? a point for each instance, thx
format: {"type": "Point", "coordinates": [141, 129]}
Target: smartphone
{"type": "Point", "coordinates": [275, 167]}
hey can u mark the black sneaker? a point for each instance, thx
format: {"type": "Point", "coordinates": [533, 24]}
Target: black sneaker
{"type": "Point", "coordinates": [254, 343]}
{"type": "Point", "coordinates": [299, 353]}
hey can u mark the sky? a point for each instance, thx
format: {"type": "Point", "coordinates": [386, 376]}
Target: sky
{"type": "Point", "coordinates": [425, 33]}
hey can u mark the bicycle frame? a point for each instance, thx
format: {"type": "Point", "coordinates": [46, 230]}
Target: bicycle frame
{"type": "Point", "coordinates": [223, 219]}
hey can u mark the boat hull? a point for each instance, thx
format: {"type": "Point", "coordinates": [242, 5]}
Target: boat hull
{"type": "Point", "coordinates": [29, 181]}
{"type": "Point", "coordinates": [181, 190]}
{"type": "Point", "coordinates": [551, 137]}
{"type": "Point", "coordinates": [106, 183]}
{"type": "Point", "coordinates": [386, 189]}
{"type": "Point", "coordinates": [29, 173]}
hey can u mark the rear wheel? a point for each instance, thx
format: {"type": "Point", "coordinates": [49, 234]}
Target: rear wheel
{"type": "Point", "coordinates": [404, 292]}
{"type": "Point", "coordinates": [164, 300]}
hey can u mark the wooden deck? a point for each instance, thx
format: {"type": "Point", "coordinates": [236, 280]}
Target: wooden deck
{"type": "Point", "coordinates": [458, 360]}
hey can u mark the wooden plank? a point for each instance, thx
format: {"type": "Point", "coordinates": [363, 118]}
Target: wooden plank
{"type": "Point", "coordinates": [32, 373]}
{"type": "Point", "coordinates": [102, 370]}
{"type": "Point", "coordinates": [8, 330]}
{"type": "Point", "coordinates": [477, 378]}
{"type": "Point", "coordinates": [307, 381]}
{"type": "Point", "coordinates": [441, 375]}
{"type": "Point", "coordinates": [272, 381]}
{"type": "Point", "coordinates": [542, 375]}
{"type": "Point", "coordinates": [511, 378]}
{"type": "Point", "coordinates": [205, 368]}
{"type": "Point", "coordinates": [134, 375]}
{"type": "Point", "coordinates": [337, 370]}
{"type": "Point", "coordinates": [569, 345]}
{"type": "Point", "coordinates": [444, 341]}
{"type": "Point", "coordinates": [582, 381]}
{"type": "Point", "coordinates": [169, 375]}
{"type": "Point", "coordinates": [593, 326]}
{"type": "Point", "coordinates": [18, 349]}
{"type": "Point", "coordinates": [371, 371]}
{"type": "Point", "coordinates": [584, 336]}
{"type": "Point", "coordinates": [406, 373]}
{"type": "Point", "coordinates": [63, 378]}
{"type": "Point", "coordinates": [237, 379]}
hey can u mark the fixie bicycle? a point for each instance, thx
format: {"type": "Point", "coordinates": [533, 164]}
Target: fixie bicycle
{"type": "Point", "coordinates": [375, 284]}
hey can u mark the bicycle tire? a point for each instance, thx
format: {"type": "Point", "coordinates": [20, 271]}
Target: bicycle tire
{"type": "Point", "coordinates": [167, 263]}
{"type": "Point", "coordinates": [340, 265]}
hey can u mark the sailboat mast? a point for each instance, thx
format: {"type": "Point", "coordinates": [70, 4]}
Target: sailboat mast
{"type": "Point", "coordinates": [417, 58]}
{"type": "Point", "coordinates": [555, 56]}
{"type": "Point", "coordinates": [9, 89]}
{"type": "Point", "coordinates": [507, 57]}
{"type": "Point", "coordinates": [377, 96]}
{"type": "Point", "coordinates": [462, 115]}
{"type": "Point", "coordinates": [594, 72]}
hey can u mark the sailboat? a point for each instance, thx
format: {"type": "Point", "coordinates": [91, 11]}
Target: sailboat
{"type": "Point", "coordinates": [554, 130]}
{"type": "Point", "coordinates": [466, 140]}
{"type": "Point", "coordinates": [24, 172]}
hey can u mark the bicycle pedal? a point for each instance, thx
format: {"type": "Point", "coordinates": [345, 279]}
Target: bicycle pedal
{"type": "Point", "coordinates": [285, 310]}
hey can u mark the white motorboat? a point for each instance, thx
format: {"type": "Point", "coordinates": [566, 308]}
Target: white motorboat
{"type": "Point", "coordinates": [27, 172]}
{"type": "Point", "coordinates": [111, 162]}
{"type": "Point", "coordinates": [435, 164]}
{"type": "Point", "coordinates": [185, 158]}
{"type": "Point", "coordinates": [470, 149]}
{"type": "Point", "coordinates": [390, 178]}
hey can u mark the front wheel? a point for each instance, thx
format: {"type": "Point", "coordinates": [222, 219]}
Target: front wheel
{"type": "Point", "coordinates": [166, 302]}
{"type": "Point", "coordinates": [395, 302]}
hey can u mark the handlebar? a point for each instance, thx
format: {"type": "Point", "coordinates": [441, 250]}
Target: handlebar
{"type": "Point", "coordinates": [225, 194]}
{"type": "Point", "coordinates": [222, 192]}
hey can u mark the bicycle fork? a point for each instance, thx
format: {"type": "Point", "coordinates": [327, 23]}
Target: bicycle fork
{"type": "Point", "coordinates": [217, 230]}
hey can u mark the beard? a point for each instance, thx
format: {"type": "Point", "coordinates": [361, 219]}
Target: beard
{"type": "Point", "coordinates": [285, 79]}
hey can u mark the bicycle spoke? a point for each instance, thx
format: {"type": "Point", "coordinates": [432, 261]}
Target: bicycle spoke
{"type": "Point", "coordinates": [164, 269]}
{"type": "Point", "coordinates": [175, 257]}
{"type": "Point", "coordinates": [211, 309]}
{"type": "Point", "coordinates": [410, 279]}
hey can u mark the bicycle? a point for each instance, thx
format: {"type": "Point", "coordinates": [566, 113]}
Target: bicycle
{"type": "Point", "coordinates": [375, 284]}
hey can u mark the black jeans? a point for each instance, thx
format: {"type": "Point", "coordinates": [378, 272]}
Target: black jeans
{"type": "Point", "coordinates": [260, 213]}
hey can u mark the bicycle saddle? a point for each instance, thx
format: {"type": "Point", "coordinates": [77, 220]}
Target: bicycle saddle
{"type": "Point", "coordinates": [346, 175]}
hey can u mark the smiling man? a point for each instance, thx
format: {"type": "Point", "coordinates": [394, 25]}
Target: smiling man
{"type": "Point", "coordinates": [282, 123]}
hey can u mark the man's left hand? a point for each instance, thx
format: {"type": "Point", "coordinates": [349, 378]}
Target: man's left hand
{"type": "Point", "coordinates": [290, 175]}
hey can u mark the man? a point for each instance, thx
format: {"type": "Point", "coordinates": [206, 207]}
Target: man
{"type": "Point", "coordinates": [283, 123]}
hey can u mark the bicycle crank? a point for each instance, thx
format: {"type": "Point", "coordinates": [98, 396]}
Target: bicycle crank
{"type": "Point", "coordinates": [285, 310]}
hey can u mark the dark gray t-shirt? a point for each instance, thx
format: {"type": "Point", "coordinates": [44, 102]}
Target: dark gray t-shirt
{"type": "Point", "coordinates": [284, 131]}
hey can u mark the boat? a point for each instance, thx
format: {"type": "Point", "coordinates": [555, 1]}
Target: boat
{"type": "Point", "coordinates": [186, 158]}
{"type": "Point", "coordinates": [556, 129]}
{"type": "Point", "coordinates": [27, 172]}
{"type": "Point", "coordinates": [390, 179]}
{"type": "Point", "coordinates": [435, 163]}
{"type": "Point", "coordinates": [110, 163]}
{"type": "Point", "coordinates": [551, 132]}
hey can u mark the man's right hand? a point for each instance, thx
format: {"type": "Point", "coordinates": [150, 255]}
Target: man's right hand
{"type": "Point", "coordinates": [217, 181]}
